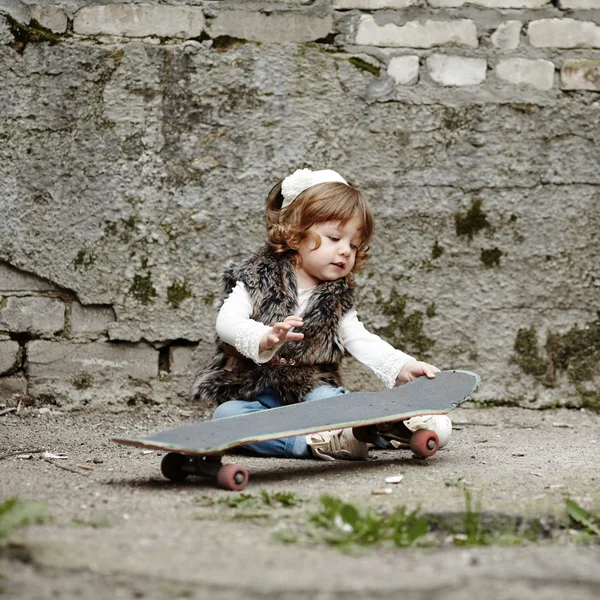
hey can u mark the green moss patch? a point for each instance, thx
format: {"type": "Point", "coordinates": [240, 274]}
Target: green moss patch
{"type": "Point", "coordinates": [34, 32]}
{"type": "Point", "coordinates": [222, 43]}
{"type": "Point", "coordinates": [473, 221]}
{"type": "Point", "coordinates": [404, 329]}
{"type": "Point", "coordinates": [576, 353]}
{"type": "Point", "coordinates": [142, 289]}
{"type": "Point", "coordinates": [178, 292]}
{"type": "Point", "coordinates": [82, 381]}
{"type": "Point", "coordinates": [490, 257]}
{"type": "Point", "coordinates": [436, 251]}
{"type": "Point", "coordinates": [363, 65]}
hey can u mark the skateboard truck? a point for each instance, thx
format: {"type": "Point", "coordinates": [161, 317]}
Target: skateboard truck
{"type": "Point", "coordinates": [177, 467]}
{"type": "Point", "coordinates": [423, 442]}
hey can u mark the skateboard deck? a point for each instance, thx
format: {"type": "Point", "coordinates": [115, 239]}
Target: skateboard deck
{"type": "Point", "coordinates": [196, 448]}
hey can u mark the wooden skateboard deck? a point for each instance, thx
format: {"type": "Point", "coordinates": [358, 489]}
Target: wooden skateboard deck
{"type": "Point", "coordinates": [191, 445]}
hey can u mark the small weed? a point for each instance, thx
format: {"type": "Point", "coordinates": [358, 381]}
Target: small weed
{"type": "Point", "coordinates": [15, 513]}
{"type": "Point", "coordinates": [582, 517]}
{"type": "Point", "coordinates": [474, 530]}
{"type": "Point", "coordinates": [473, 534]}
{"type": "Point", "coordinates": [480, 403]}
{"type": "Point", "coordinates": [346, 526]}
{"type": "Point", "coordinates": [248, 506]}
{"type": "Point", "coordinates": [100, 520]}
{"type": "Point", "coordinates": [176, 591]}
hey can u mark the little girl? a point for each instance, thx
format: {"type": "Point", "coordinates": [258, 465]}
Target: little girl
{"type": "Point", "coordinates": [289, 317]}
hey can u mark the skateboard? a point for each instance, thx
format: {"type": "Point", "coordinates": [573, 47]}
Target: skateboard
{"type": "Point", "coordinates": [197, 448]}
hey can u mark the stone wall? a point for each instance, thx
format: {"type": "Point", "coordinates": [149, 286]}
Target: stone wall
{"type": "Point", "coordinates": [139, 140]}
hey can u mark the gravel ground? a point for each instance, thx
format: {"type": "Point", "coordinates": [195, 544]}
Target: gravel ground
{"type": "Point", "coordinates": [116, 529]}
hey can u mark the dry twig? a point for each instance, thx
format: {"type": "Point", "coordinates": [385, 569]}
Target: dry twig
{"type": "Point", "coordinates": [17, 452]}
{"type": "Point", "coordinates": [52, 462]}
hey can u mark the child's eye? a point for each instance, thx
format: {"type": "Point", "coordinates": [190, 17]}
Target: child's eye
{"type": "Point", "coordinates": [354, 247]}
{"type": "Point", "coordinates": [334, 239]}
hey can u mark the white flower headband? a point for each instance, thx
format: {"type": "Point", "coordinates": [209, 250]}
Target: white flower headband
{"type": "Point", "coordinates": [293, 185]}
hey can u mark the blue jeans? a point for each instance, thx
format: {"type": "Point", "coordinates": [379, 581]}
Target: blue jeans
{"type": "Point", "coordinates": [291, 447]}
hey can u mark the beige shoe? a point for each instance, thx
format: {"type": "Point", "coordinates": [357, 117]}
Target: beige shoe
{"type": "Point", "coordinates": [441, 424]}
{"type": "Point", "coordinates": [339, 444]}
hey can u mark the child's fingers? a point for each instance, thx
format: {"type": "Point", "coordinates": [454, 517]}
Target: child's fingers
{"type": "Point", "coordinates": [293, 336]}
{"type": "Point", "coordinates": [429, 370]}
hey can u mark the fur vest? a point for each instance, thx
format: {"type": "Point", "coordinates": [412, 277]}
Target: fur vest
{"type": "Point", "coordinates": [270, 281]}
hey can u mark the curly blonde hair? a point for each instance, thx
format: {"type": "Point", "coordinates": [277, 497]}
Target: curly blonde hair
{"type": "Point", "coordinates": [287, 228]}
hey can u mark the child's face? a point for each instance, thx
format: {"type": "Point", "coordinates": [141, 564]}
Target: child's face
{"type": "Point", "coordinates": [334, 258]}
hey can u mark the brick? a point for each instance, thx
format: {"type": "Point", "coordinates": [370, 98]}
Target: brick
{"type": "Point", "coordinates": [49, 359]}
{"type": "Point", "coordinates": [456, 70]}
{"type": "Point", "coordinates": [91, 319]}
{"type": "Point", "coordinates": [579, 4]}
{"type": "Point", "coordinates": [404, 70]}
{"type": "Point", "coordinates": [275, 27]}
{"type": "Point", "coordinates": [372, 4]}
{"type": "Point", "coordinates": [507, 36]}
{"type": "Point", "coordinates": [563, 33]}
{"type": "Point", "coordinates": [580, 74]}
{"type": "Point", "coordinates": [417, 34]}
{"type": "Point", "coordinates": [490, 3]}
{"type": "Point", "coordinates": [140, 20]}
{"type": "Point", "coordinates": [537, 73]}
{"type": "Point", "coordinates": [34, 315]}
{"type": "Point", "coordinates": [51, 17]}
{"type": "Point", "coordinates": [15, 280]}
{"type": "Point", "coordinates": [9, 356]}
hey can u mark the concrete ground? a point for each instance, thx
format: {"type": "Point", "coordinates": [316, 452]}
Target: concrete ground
{"type": "Point", "coordinates": [116, 529]}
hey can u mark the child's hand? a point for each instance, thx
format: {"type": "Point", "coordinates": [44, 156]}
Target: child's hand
{"type": "Point", "coordinates": [415, 368]}
{"type": "Point", "coordinates": [280, 333]}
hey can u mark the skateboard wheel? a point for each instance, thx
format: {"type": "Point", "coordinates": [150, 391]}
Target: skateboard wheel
{"type": "Point", "coordinates": [367, 434]}
{"type": "Point", "coordinates": [171, 466]}
{"type": "Point", "coordinates": [424, 443]}
{"type": "Point", "coordinates": [232, 477]}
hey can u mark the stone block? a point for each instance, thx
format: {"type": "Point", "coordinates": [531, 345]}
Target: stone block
{"type": "Point", "coordinates": [51, 17]}
{"type": "Point", "coordinates": [404, 70]}
{"type": "Point", "coordinates": [271, 28]}
{"type": "Point", "coordinates": [580, 74]}
{"type": "Point", "coordinates": [579, 4]}
{"type": "Point", "coordinates": [49, 359]}
{"type": "Point", "coordinates": [140, 20]}
{"type": "Point", "coordinates": [490, 3]}
{"type": "Point", "coordinates": [372, 4]}
{"type": "Point", "coordinates": [507, 36]}
{"type": "Point", "coordinates": [15, 280]}
{"type": "Point", "coordinates": [563, 33]}
{"type": "Point", "coordinates": [6, 36]}
{"type": "Point", "coordinates": [18, 10]}
{"type": "Point", "coordinates": [34, 315]}
{"type": "Point", "coordinates": [537, 73]}
{"type": "Point", "coordinates": [461, 33]}
{"type": "Point", "coordinates": [183, 360]}
{"type": "Point", "coordinates": [14, 385]}
{"type": "Point", "coordinates": [9, 356]}
{"type": "Point", "coordinates": [91, 319]}
{"type": "Point", "coordinates": [456, 70]}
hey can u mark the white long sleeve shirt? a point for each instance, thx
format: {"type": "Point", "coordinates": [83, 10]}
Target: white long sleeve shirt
{"type": "Point", "coordinates": [235, 327]}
